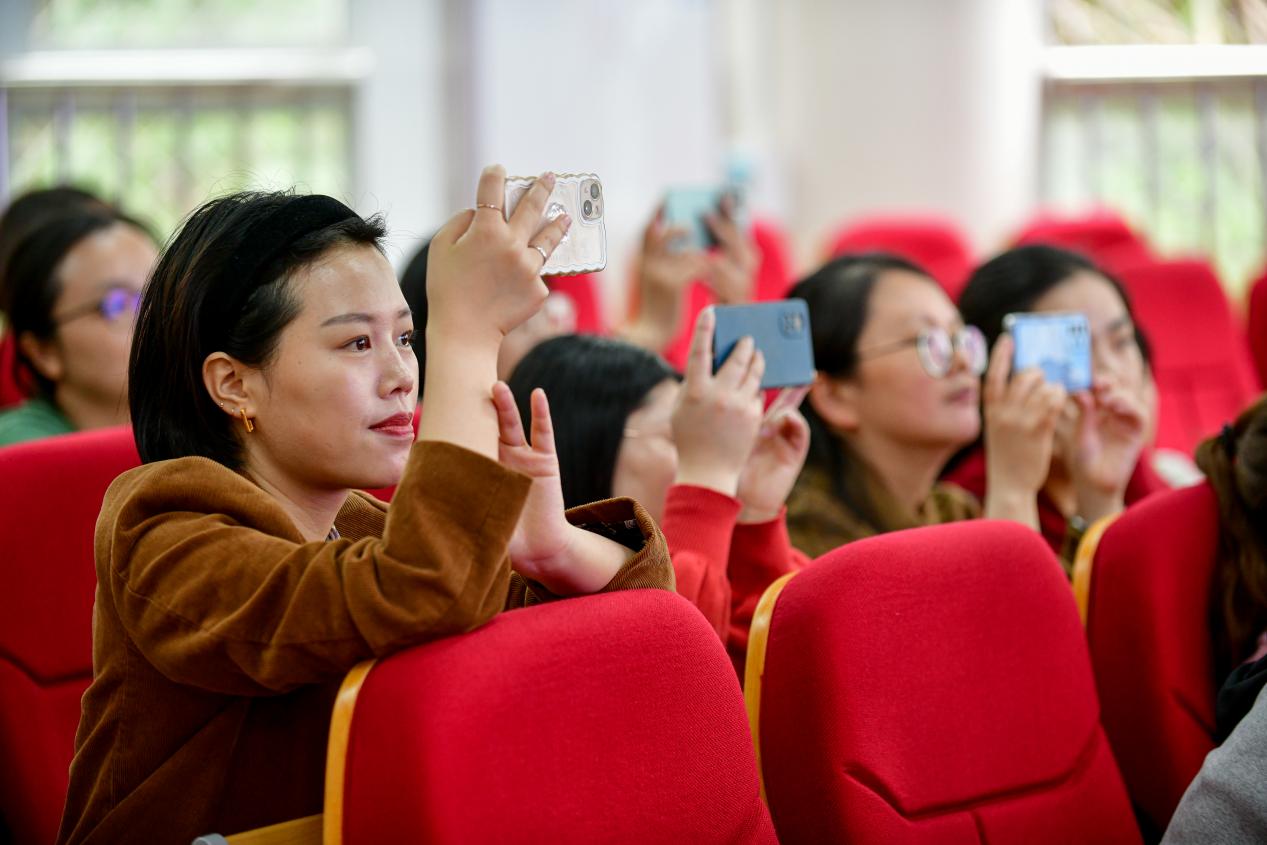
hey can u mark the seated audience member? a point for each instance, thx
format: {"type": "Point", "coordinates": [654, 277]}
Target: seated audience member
{"type": "Point", "coordinates": [665, 272]}
{"type": "Point", "coordinates": [70, 289]}
{"type": "Point", "coordinates": [695, 451]}
{"type": "Point", "coordinates": [897, 393]}
{"type": "Point", "coordinates": [30, 210]}
{"type": "Point", "coordinates": [556, 317]}
{"type": "Point", "coordinates": [239, 576]}
{"type": "Point", "coordinates": [1096, 467]}
{"type": "Point", "coordinates": [1235, 461]}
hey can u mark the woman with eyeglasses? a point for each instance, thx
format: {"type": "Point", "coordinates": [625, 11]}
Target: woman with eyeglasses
{"type": "Point", "coordinates": [70, 293]}
{"type": "Point", "coordinates": [1097, 462]}
{"type": "Point", "coordinates": [897, 394]}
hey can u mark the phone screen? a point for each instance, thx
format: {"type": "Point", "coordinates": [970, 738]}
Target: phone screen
{"type": "Point", "coordinates": [1057, 344]}
{"type": "Point", "coordinates": [779, 329]}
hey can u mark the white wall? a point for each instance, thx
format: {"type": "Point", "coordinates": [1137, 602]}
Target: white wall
{"type": "Point", "coordinates": [400, 143]}
{"type": "Point", "coordinates": [627, 90]}
{"type": "Point", "coordinates": [890, 106]}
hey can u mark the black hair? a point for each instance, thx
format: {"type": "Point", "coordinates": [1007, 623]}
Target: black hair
{"type": "Point", "coordinates": [31, 282]}
{"type": "Point", "coordinates": [34, 208]}
{"type": "Point", "coordinates": [413, 284]}
{"type": "Point", "coordinates": [173, 415]}
{"type": "Point", "coordinates": [593, 385]}
{"type": "Point", "coordinates": [839, 295]}
{"type": "Point", "coordinates": [1016, 279]}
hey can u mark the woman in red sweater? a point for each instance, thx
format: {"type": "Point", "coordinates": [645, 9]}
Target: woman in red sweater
{"type": "Point", "coordinates": [696, 450]}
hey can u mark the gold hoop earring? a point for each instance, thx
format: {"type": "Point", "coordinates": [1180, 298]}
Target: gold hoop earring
{"type": "Point", "coordinates": [250, 426]}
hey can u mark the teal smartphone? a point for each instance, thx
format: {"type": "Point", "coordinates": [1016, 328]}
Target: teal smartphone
{"type": "Point", "coordinates": [779, 329]}
{"type": "Point", "coordinates": [686, 207]}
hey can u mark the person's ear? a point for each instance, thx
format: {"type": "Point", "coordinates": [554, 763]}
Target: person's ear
{"type": "Point", "coordinates": [835, 401]}
{"type": "Point", "coordinates": [43, 355]}
{"type": "Point", "coordinates": [230, 383]}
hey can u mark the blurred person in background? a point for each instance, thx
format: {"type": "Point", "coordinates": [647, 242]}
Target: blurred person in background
{"type": "Point", "coordinates": [1098, 463]}
{"type": "Point", "coordinates": [69, 292]}
{"type": "Point", "coordinates": [665, 272]}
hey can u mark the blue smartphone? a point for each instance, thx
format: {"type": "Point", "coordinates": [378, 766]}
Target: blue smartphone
{"type": "Point", "coordinates": [1058, 344]}
{"type": "Point", "coordinates": [780, 330]}
{"type": "Point", "coordinates": [686, 208]}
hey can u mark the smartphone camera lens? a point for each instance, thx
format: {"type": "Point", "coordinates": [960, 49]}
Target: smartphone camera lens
{"type": "Point", "coordinates": [588, 208]}
{"type": "Point", "coordinates": [594, 190]}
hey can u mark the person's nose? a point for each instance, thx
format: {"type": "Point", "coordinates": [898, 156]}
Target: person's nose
{"type": "Point", "coordinates": [400, 371]}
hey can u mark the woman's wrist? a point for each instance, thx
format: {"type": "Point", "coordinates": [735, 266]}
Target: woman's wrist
{"type": "Point", "coordinates": [586, 564]}
{"type": "Point", "coordinates": [721, 479]}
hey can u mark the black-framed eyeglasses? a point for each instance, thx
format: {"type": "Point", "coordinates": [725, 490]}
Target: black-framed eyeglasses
{"type": "Point", "coordinates": [937, 349]}
{"type": "Point", "coordinates": [114, 304]}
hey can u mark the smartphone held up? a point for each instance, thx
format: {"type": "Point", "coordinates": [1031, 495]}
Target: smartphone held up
{"type": "Point", "coordinates": [580, 196]}
{"type": "Point", "coordinates": [780, 330]}
{"type": "Point", "coordinates": [1057, 344]}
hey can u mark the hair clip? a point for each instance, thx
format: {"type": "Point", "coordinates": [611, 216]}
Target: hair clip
{"type": "Point", "coordinates": [1227, 436]}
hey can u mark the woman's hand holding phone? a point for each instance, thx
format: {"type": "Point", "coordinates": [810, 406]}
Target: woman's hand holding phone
{"type": "Point", "coordinates": [483, 280]}
{"type": "Point", "coordinates": [717, 418]}
{"type": "Point", "coordinates": [484, 271]}
{"type": "Point", "coordinates": [732, 269]}
{"type": "Point", "coordinates": [776, 460]}
{"type": "Point", "coordinates": [664, 273]}
{"type": "Point", "coordinates": [1020, 413]}
{"type": "Point", "coordinates": [1099, 439]}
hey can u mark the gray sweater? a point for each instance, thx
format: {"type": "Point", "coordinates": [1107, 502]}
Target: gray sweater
{"type": "Point", "coordinates": [1227, 801]}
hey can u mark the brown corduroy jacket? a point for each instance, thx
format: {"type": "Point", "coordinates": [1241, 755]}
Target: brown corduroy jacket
{"type": "Point", "coordinates": [220, 636]}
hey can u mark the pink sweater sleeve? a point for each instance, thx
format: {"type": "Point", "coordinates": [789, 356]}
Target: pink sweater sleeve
{"type": "Point", "coordinates": [697, 526]}
{"type": "Point", "coordinates": [760, 553]}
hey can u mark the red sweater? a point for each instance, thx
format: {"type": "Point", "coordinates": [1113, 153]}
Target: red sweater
{"type": "Point", "coordinates": [723, 567]}
{"type": "Point", "coordinates": [970, 475]}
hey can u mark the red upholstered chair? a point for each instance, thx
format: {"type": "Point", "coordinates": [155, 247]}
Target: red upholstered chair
{"type": "Point", "coordinates": [10, 392]}
{"type": "Point", "coordinates": [1147, 605]}
{"type": "Point", "coordinates": [1258, 328]}
{"type": "Point", "coordinates": [1203, 370]}
{"type": "Point", "coordinates": [932, 686]}
{"type": "Point", "coordinates": [934, 243]}
{"type": "Point", "coordinates": [49, 501]}
{"type": "Point", "coordinates": [612, 718]}
{"type": "Point", "coordinates": [1104, 236]}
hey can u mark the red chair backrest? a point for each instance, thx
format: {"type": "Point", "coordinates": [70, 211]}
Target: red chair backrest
{"type": "Point", "coordinates": [1148, 628]}
{"type": "Point", "coordinates": [1103, 236]}
{"type": "Point", "coordinates": [774, 279]}
{"type": "Point", "coordinates": [49, 502]}
{"type": "Point", "coordinates": [584, 291]}
{"type": "Point", "coordinates": [934, 243]}
{"type": "Point", "coordinates": [1258, 328]}
{"type": "Point", "coordinates": [614, 718]}
{"type": "Point", "coordinates": [10, 393]}
{"type": "Point", "coordinates": [933, 685]}
{"type": "Point", "coordinates": [1203, 370]}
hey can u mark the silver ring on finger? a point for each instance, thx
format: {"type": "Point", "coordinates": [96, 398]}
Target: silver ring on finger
{"type": "Point", "coordinates": [544, 255]}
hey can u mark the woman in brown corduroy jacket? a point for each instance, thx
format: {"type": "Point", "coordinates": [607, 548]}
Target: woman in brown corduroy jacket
{"type": "Point", "coordinates": [239, 575]}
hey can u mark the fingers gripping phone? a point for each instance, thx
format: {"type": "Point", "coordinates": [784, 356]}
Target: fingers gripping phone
{"type": "Point", "coordinates": [1058, 344]}
{"type": "Point", "coordinates": [580, 196]}
{"type": "Point", "coordinates": [687, 208]}
{"type": "Point", "coordinates": [779, 329]}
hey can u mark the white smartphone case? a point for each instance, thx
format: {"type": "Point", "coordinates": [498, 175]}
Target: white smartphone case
{"type": "Point", "coordinates": [584, 247]}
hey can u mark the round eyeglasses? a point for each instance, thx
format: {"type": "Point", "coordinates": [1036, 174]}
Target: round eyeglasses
{"type": "Point", "coordinates": [937, 349]}
{"type": "Point", "coordinates": [114, 304]}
